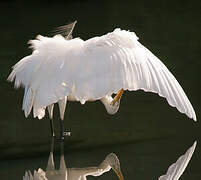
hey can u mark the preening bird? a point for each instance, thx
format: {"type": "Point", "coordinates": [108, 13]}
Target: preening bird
{"type": "Point", "coordinates": [174, 171]}
{"type": "Point", "coordinates": [62, 69]}
{"type": "Point", "coordinates": [110, 162]}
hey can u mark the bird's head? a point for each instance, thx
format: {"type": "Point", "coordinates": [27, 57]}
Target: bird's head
{"type": "Point", "coordinates": [112, 105]}
{"type": "Point", "coordinates": [114, 163]}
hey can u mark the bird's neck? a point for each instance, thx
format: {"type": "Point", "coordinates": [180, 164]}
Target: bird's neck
{"type": "Point", "coordinates": [104, 166]}
{"type": "Point", "coordinates": [106, 100]}
{"type": "Point", "coordinates": [107, 103]}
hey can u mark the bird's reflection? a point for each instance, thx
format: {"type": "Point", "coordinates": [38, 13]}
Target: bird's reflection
{"type": "Point", "coordinates": [176, 169]}
{"type": "Point", "coordinates": [110, 162]}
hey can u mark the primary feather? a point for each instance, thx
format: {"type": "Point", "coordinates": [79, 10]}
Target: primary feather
{"type": "Point", "coordinates": [176, 169]}
{"type": "Point", "coordinates": [92, 69]}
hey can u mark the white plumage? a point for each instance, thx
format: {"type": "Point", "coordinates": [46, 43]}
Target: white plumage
{"type": "Point", "coordinates": [59, 70]}
{"type": "Point", "coordinates": [176, 169]}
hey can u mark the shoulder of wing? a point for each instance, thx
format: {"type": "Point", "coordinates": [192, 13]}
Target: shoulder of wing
{"type": "Point", "coordinates": [117, 38]}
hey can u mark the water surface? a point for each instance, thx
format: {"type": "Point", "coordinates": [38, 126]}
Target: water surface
{"type": "Point", "coordinates": [146, 133]}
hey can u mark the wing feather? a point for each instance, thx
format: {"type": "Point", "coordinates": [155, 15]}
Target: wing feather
{"type": "Point", "coordinates": [92, 69]}
{"type": "Point", "coordinates": [176, 169]}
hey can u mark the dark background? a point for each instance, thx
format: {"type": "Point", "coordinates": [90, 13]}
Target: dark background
{"type": "Point", "coordinates": [147, 134]}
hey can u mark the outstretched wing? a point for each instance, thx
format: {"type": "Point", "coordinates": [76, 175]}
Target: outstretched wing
{"type": "Point", "coordinates": [176, 170]}
{"type": "Point", "coordinates": [92, 69]}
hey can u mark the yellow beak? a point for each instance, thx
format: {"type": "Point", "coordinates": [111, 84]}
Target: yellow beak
{"type": "Point", "coordinates": [119, 173]}
{"type": "Point", "coordinates": [117, 98]}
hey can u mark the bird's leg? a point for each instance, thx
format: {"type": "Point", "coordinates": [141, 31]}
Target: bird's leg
{"type": "Point", "coordinates": [61, 148]}
{"type": "Point", "coordinates": [52, 145]}
{"type": "Point", "coordinates": [61, 130]}
{"type": "Point", "coordinates": [52, 128]}
{"type": "Point", "coordinates": [50, 111]}
{"type": "Point", "coordinates": [62, 106]}
{"type": "Point", "coordinates": [62, 167]}
{"type": "Point", "coordinates": [50, 164]}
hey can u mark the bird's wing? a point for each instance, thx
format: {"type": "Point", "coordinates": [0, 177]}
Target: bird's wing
{"type": "Point", "coordinates": [117, 60]}
{"type": "Point", "coordinates": [44, 74]}
{"type": "Point", "coordinates": [92, 69]}
{"type": "Point", "coordinates": [176, 170]}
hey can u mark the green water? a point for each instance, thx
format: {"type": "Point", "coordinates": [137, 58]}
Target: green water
{"type": "Point", "coordinates": [146, 133]}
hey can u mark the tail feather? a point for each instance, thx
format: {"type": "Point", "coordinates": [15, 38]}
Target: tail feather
{"type": "Point", "coordinates": [38, 111]}
{"type": "Point", "coordinates": [28, 101]}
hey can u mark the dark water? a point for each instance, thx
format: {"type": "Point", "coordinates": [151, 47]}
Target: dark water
{"type": "Point", "coordinates": [139, 160]}
{"type": "Point", "coordinates": [146, 133]}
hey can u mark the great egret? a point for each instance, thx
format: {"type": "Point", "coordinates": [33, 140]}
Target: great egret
{"type": "Point", "coordinates": [110, 162]}
{"type": "Point", "coordinates": [174, 171]}
{"type": "Point", "coordinates": [62, 69]}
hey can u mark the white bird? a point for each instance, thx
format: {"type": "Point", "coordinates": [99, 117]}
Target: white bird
{"type": "Point", "coordinates": [110, 162]}
{"type": "Point", "coordinates": [63, 69]}
{"type": "Point", "coordinates": [174, 171]}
